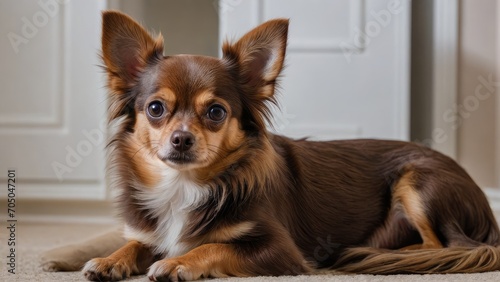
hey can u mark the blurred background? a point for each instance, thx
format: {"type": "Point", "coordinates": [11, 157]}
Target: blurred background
{"type": "Point", "coordinates": [423, 71]}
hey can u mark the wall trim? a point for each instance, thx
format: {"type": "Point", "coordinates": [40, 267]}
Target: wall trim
{"type": "Point", "coordinates": [64, 212]}
{"type": "Point", "coordinates": [493, 195]}
{"type": "Point", "coordinates": [445, 65]}
{"type": "Point", "coordinates": [498, 100]}
{"type": "Point", "coordinates": [402, 123]}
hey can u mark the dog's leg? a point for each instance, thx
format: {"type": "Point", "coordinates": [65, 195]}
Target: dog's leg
{"type": "Point", "coordinates": [73, 257]}
{"type": "Point", "coordinates": [404, 193]}
{"type": "Point", "coordinates": [133, 258]}
{"type": "Point", "coordinates": [210, 260]}
{"type": "Point", "coordinates": [457, 201]}
{"type": "Point", "coordinates": [223, 260]}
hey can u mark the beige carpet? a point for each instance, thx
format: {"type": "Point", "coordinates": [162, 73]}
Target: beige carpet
{"type": "Point", "coordinates": [32, 239]}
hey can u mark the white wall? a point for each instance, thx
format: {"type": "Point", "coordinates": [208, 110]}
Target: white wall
{"type": "Point", "coordinates": [478, 139]}
{"type": "Point", "coordinates": [497, 114]}
{"type": "Point", "coordinates": [477, 134]}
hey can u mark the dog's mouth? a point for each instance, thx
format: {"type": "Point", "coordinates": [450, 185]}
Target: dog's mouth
{"type": "Point", "coordinates": [179, 158]}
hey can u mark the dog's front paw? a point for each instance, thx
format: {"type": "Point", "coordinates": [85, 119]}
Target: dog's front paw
{"type": "Point", "coordinates": [174, 270]}
{"type": "Point", "coordinates": [105, 269]}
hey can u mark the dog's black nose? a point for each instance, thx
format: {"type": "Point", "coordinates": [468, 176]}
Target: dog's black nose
{"type": "Point", "coordinates": [182, 140]}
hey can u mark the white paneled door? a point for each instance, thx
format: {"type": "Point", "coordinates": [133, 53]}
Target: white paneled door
{"type": "Point", "coordinates": [52, 107]}
{"type": "Point", "coordinates": [347, 76]}
{"type": "Point", "coordinates": [347, 73]}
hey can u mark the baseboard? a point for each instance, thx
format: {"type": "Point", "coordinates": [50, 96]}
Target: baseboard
{"type": "Point", "coordinates": [85, 212]}
{"type": "Point", "coordinates": [493, 195]}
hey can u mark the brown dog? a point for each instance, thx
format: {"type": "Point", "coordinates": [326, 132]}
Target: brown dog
{"type": "Point", "coordinates": [206, 191]}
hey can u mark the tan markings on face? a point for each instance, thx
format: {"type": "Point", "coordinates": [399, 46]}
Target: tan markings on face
{"type": "Point", "coordinates": [203, 100]}
{"type": "Point", "coordinates": [221, 142]}
{"type": "Point", "coordinates": [139, 149]}
{"type": "Point", "coordinates": [210, 147]}
{"type": "Point", "coordinates": [228, 138]}
{"type": "Point", "coordinates": [159, 137]}
{"type": "Point", "coordinates": [234, 135]}
{"type": "Point", "coordinates": [223, 146]}
{"type": "Point", "coordinates": [167, 95]}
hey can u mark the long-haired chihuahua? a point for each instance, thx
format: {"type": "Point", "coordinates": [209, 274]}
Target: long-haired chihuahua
{"type": "Point", "coordinates": [205, 190]}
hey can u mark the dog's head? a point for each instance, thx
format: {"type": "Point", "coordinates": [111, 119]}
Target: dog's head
{"type": "Point", "coordinates": [185, 111]}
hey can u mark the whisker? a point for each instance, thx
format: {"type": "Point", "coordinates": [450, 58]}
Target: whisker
{"type": "Point", "coordinates": [151, 143]}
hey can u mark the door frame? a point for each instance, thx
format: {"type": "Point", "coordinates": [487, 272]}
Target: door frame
{"type": "Point", "coordinates": [445, 71]}
{"type": "Point", "coordinates": [498, 101]}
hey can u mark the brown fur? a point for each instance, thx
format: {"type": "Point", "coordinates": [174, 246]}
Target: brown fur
{"type": "Point", "coordinates": [404, 194]}
{"type": "Point", "coordinates": [132, 258]}
{"type": "Point", "coordinates": [208, 260]}
{"type": "Point", "coordinates": [263, 204]}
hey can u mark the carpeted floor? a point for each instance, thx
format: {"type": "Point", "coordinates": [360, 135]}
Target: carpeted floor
{"type": "Point", "coordinates": [32, 239]}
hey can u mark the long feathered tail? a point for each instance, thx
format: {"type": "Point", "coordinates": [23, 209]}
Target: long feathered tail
{"type": "Point", "coordinates": [368, 260]}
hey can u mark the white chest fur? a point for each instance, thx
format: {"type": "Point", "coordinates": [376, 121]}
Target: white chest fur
{"type": "Point", "coordinates": [169, 202]}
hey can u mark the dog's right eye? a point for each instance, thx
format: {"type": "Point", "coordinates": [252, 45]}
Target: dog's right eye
{"type": "Point", "coordinates": [156, 109]}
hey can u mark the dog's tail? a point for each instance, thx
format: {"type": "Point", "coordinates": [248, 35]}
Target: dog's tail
{"type": "Point", "coordinates": [368, 260]}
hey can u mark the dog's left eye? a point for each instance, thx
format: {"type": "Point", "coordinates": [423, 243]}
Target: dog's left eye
{"type": "Point", "coordinates": [216, 113]}
{"type": "Point", "coordinates": [156, 109]}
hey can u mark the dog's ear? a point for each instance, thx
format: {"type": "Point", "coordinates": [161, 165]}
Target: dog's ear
{"type": "Point", "coordinates": [259, 56]}
{"type": "Point", "coordinates": [126, 49]}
